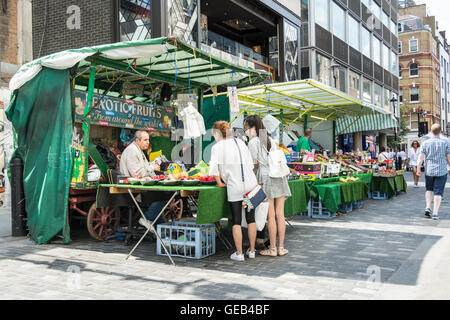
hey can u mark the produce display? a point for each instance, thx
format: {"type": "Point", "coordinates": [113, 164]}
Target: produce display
{"type": "Point", "coordinates": [174, 176]}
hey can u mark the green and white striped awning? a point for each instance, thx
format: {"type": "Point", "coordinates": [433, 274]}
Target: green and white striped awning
{"type": "Point", "coordinates": [371, 122]}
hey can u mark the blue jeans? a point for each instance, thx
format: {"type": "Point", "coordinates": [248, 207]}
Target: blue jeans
{"type": "Point", "coordinates": [436, 184]}
{"type": "Point", "coordinates": [152, 212]}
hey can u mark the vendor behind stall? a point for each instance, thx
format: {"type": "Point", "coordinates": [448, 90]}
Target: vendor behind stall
{"type": "Point", "coordinates": [303, 143]}
{"type": "Point", "coordinates": [134, 163]}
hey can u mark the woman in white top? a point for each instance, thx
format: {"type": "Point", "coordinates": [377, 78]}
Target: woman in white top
{"type": "Point", "coordinates": [383, 156]}
{"type": "Point", "coordinates": [225, 164]}
{"type": "Point", "coordinates": [276, 189]}
{"type": "Point", "coordinates": [413, 157]}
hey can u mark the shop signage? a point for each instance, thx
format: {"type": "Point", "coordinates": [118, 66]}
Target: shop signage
{"type": "Point", "coordinates": [125, 113]}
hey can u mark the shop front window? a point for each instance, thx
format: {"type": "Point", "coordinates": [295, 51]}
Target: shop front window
{"type": "Point", "coordinates": [291, 51]}
{"type": "Point", "coordinates": [182, 20]}
{"type": "Point", "coordinates": [323, 72]}
{"type": "Point", "coordinates": [134, 20]}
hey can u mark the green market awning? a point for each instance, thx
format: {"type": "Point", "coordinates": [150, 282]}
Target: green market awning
{"type": "Point", "coordinates": [148, 62]}
{"type": "Point", "coordinates": [297, 98]}
{"type": "Point", "coordinates": [372, 122]}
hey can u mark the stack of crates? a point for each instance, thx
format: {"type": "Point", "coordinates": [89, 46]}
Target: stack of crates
{"type": "Point", "coordinates": [186, 239]}
{"type": "Point", "coordinates": [378, 195]}
{"type": "Point", "coordinates": [357, 204]}
{"type": "Point", "coordinates": [317, 210]}
{"type": "Point", "coordinates": [346, 207]}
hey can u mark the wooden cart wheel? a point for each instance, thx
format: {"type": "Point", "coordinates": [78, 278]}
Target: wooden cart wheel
{"type": "Point", "coordinates": [174, 211]}
{"type": "Point", "coordinates": [101, 222]}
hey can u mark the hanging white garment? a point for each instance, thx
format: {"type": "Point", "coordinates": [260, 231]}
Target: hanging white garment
{"type": "Point", "coordinates": [194, 125]}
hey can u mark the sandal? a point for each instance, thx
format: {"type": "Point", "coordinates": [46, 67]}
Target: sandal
{"type": "Point", "coordinates": [282, 251]}
{"type": "Point", "coordinates": [271, 252]}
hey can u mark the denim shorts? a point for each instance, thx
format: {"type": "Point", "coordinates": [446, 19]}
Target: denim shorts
{"type": "Point", "coordinates": [436, 184]}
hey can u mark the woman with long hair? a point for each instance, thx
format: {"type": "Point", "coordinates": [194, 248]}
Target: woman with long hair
{"type": "Point", "coordinates": [276, 189]}
{"type": "Point", "coordinates": [231, 162]}
{"type": "Point", "coordinates": [413, 157]}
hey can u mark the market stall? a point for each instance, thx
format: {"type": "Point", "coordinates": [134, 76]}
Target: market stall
{"type": "Point", "coordinates": [127, 85]}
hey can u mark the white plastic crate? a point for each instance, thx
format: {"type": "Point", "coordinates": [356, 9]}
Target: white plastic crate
{"type": "Point", "coordinates": [378, 195]}
{"type": "Point", "coordinates": [187, 239]}
{"type": "Point", "coordinates": [346, 207]}
{"type": "Point", "coordinates": [317, 210]}
{"type": "Point", "coordinates": [357, 204]}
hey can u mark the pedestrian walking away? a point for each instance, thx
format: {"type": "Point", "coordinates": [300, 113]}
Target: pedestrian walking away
{"type": "Point", "coordinates": [435, 153]}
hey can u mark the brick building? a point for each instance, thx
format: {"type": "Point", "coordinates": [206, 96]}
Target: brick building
{"type": "Point", "coordinates": [420, 67]}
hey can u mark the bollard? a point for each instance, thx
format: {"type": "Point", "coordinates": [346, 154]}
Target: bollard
{"type": "Point", "coordinates": [18, 213]}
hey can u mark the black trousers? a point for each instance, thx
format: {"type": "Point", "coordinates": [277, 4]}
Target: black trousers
{"type": "Point", "coordinates": [236, 214]}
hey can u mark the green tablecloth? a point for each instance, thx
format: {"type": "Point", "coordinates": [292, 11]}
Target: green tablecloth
{"type": "Point", "coordinates": [364, 177]}
{"type": "Point", "coordinates": [333, 194]}
{"type": "Point", "coordinates": [213, 205]}
{"type": "Point", "coordinates": [298, 202]}
{"type": "Point", "coordinates": [389, 185]}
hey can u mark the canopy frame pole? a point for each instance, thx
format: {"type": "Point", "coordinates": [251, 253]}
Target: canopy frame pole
{"type": "Point", "coordinates": [281, 125]}
{"type": "Point", "coordinates": [245, 109]}
{"type": "Point", "coordinates": [325, 119]}
{"type": "Point", "coordinates": [87, 121]}
{"type": "Point", "coordinates": [295, 97]}
{"type": "Point", "coordinates": [301, 115]}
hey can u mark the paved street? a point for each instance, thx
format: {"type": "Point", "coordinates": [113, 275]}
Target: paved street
{"type": "Point", "coordinates": [386, 250]}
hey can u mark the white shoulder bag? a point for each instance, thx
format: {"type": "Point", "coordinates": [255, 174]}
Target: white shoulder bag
{"type": "Point", "coordinates": [278, 164]}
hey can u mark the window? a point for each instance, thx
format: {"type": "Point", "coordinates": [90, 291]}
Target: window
{"type": "Point", "coordinates": [355, 84]}
{"type": "Point", "coordinates": [413, 70]}
{"type": "Point", "coordinates": [134, 20]}
{"type": "Point", "coordinates": [366, 39]}
{"type": "Point", "coordinates": [354, 29]}
{"type": "Point", "coordinates": [376, 50]}
{"type": "Point", "coordinates": [400, 96]}
{"type": "Point", "coordinates": [367, 90]}
{"type": "Point", "coordinates": [366, 3]}
{"type": "Point", "coordinates": [400, 47]}
{"type": "Point", "coordinates": [414, 94]}
{"type": "Point", "coordinates": [400, 27]}
{"type": "Point", "coordinates": [323, 13]}
{"type": "Point", "coordinates": [323, 72]}
{"type": "Point", "coordinates": [393, 28]}
{"type": "Point", "coordinates": [182, 20]}
{"type": "Point", "coordinates": [413, 45]}
{"type": "Point", "coordinates": [386, 101]}
{"type": "Point", "coordinates": [341, 80]}
{"type": "Point", "coordinates": [377, 94]}
{"type": "Point", "coordinates": [400, 71]}
{"type": "Point", "coordinates": [386, 20]}
{"type": "Point", "coordinates": [386, 58]}
{"type": "Point", "coordinates": [338, 21]}
{"type": "Point", "coordinates": [291, 51]}
{"type": "Point", "coordinates": [376, 9]}
{"type": "Point", "coordinates": [394, 63]}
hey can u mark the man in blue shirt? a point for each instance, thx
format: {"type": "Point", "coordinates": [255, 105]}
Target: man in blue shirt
{"type": "Point", "coordinates": [436, 153]}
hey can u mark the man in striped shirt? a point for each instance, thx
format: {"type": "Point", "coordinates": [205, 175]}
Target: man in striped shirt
{"type": "Point", "coordinates": [436, 153]}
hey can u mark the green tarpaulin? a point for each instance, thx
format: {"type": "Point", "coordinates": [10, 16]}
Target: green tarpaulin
{"type": "Point", "coordinates": [389, 185]}
{"type": "Point", "coordinates": [41, 115]}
